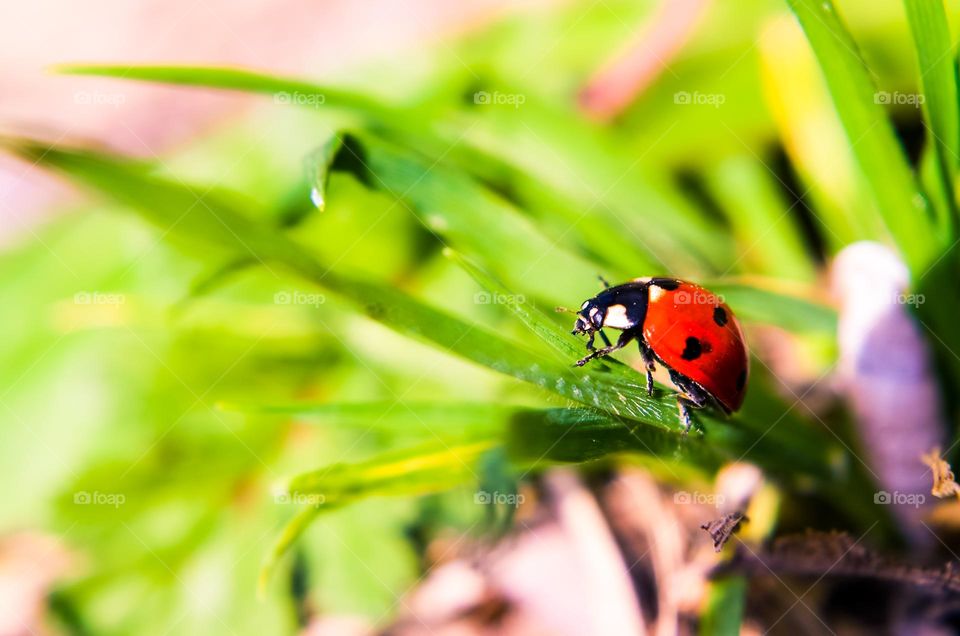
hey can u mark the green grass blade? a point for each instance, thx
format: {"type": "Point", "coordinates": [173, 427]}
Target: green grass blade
{"type": "Point", "coordinates": [390, 415]}
{"type": "Point", "coordinates": [622, 394]}
{"type": "Point", "coordinates": [191, 211]}
{"type": "Point", "coordinates": [455, 207]}
{"type": "Point", "coordinates": [547, 330]}
{"type": "Point", "coordinates": [430, 467]}
{"type": "Point", "coordinates": [763, 303]}
{"type": "Point", "coordinates": [903, 208]}
{"type": "Point", "coordinates": [211, 280]}
{"type": "Point", "coordinates": [765, 228]}
{"type": "Point", "coordinates": [288, 536]}
{"type": "Point", "coordinates": [725, 605]}
{"type": "Point", "coordinates": [284, 90]}
{"type": "Point", "coordinates": [938, 78]}
{"type": "Point", "coordinates": [638, 201]}
{"type": "Point", "coordinates": [592, 171]}
{"type": "Point", "coordinates": [318, 165]}
{"type": "Point", "coordinates": [173, 207]}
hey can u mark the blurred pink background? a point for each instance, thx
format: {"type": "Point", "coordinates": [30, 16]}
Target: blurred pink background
{"type": "Point", "coordinates": [295, 37]}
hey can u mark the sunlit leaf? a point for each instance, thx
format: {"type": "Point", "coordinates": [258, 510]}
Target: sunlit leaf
{"type": "Point", "coordinates": [938, 78]}
{"type": "Point", "coordinates": [318, 165]}
{"type": "Point", "coordinates": [725, 604]}
{"type": "Point", "coordinates": [871, 136]}
{"type": "Point", "coordinates": [391, 415]}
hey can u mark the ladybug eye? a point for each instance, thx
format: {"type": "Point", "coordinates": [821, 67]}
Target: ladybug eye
{"type": "Point", "coordinates": [596, 317]}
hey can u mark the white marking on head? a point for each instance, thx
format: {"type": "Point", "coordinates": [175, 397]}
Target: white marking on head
{"type": "Point", "coordinates": [584, 305]}
{"type": "Point", "coordinates": [616, 317]}
{"type": "Point", "coordinates": [593, 311]}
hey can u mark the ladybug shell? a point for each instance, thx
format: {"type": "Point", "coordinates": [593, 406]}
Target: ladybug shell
{"type": "Point", "coordinates": [694, 333]}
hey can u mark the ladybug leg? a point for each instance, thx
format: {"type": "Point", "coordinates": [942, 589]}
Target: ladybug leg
{"type": "Point", "coordinates": [648, 364]}
{"type": "Point", "coordinates": [691, 395]}
{"type": "Point", "coordinates": [606, 340]}
{"type": "Point", "coordinates": [590, 346]}
{"type": "Point", "coordinates": [684, 414]}
{"type": "Point", "coordinates": [603, 281]}
{"type": "Point", "coordinates": [622, 342]}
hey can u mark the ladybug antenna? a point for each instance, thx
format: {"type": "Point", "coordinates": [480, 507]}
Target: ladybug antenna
{"type": "Point", "coordinates": [603, 281]}
{"type": "Point", "coordinates": [564, 310]}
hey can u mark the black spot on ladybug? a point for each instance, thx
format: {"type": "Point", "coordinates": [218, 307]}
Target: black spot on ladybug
{"type": "Point", "coordinates": [720, 316]}
{"type": "Point", "coordinates": [741, 380]}
{"type": "Point", "coordinates": [693, 349]}
{"type": "Point", "coordinates": [668, 284]}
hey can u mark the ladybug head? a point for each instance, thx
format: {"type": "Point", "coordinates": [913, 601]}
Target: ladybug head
{"type": "Point", "coordinates": [590, 317]}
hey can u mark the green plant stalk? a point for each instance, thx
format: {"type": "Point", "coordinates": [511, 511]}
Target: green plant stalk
{"type": "Point", "coordinates": [724, 611]}
{"type": "Point", "coordinates": [685, 233]}
{"type": "Point", "coordinates": [163, 203]}
{"type": "Point", "coordinates": [938, 78]}
{"type": "Point", "coordinates": [764, 226]}
{"type": "Point", "coordinates": [903, 208]}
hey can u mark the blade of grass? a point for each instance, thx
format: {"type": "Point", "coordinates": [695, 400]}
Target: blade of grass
{"type": "Point", "coordinates": [318, 165]}
{"type": "Point", "coordinates": [535, 320]}
{"type": "Point", "coordinates": [390, 415]}
{"type": "Point", "coordinates": [724, 612]}
{"type": "Point", "coordinates": [621, 394]}
{"type": "Point", "coordinates": [288, 536]}
{"type": "Point", "coordinates": [686, 237]}
{"type": "Point", "coordinates": [771, 302]}
{"type": "Point", "coordinates": [284, 90]}
{"type": "Point", "coordinates": [594, 230]}
{"type": "Point", "coordinates": [173, 207]}
{"type": "Point", "coordinates": [430, 467]}
{"type": "Point", "coordinates": [875, 146]}
{"type": "Point", "coordinates": [814, 139]}
{"type": "Point", "coordinates": [938, 78]}
{"type": "Point", "coordinates": [590, 168]}
{"type": "Point", "coordinates": [455, 207]}
{"type": "Point", "coordinates": [433, 466]}
{"type": "Point", "coordinates": [766, 229]}
{"type": "Point", "coordinates": [212, 279]}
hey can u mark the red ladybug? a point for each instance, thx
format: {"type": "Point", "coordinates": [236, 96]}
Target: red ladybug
{"type": "Point", "coordinates": [682, 326]}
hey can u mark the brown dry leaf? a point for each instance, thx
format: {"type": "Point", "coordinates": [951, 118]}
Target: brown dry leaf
{"type": "Point", "coordinates": [944, 484]}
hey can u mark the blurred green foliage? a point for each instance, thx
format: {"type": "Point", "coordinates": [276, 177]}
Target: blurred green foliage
{"type": "Point", "coordinates": [243, 351]}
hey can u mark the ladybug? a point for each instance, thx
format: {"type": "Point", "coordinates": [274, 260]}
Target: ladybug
{"type": "Point", "coordinates": [685, 328]}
